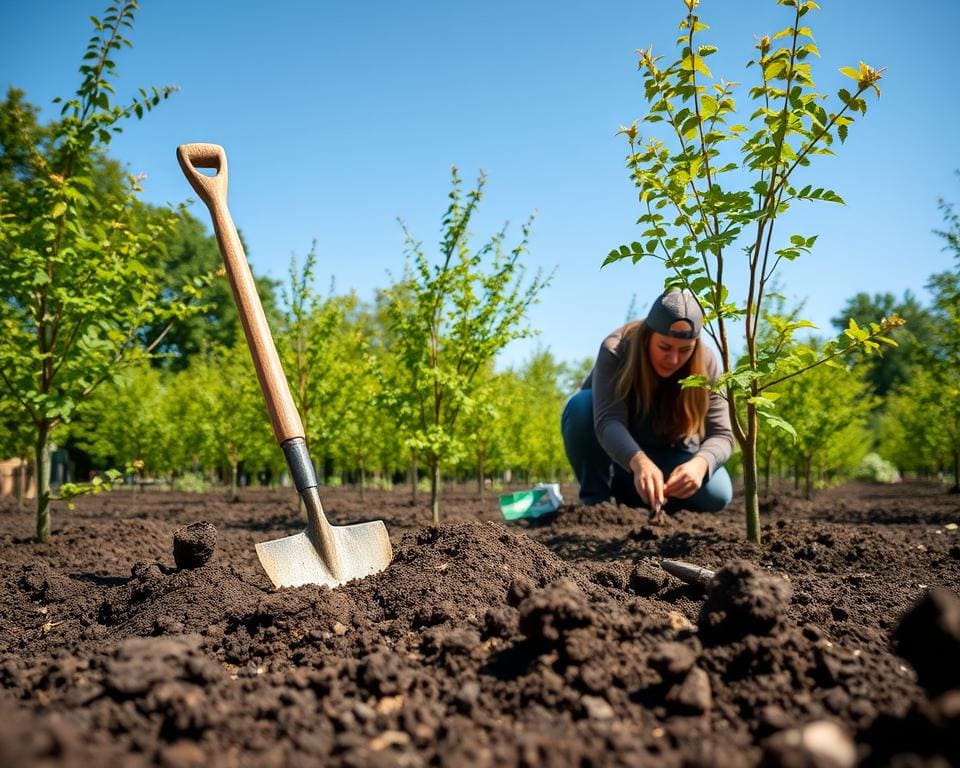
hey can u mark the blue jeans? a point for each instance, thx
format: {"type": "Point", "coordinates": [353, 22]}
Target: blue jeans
{"type": "Point", "coordinates": [600, 477]}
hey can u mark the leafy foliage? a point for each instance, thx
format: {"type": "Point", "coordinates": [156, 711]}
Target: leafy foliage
{"type": "Point", "coordinates": [886, 372]}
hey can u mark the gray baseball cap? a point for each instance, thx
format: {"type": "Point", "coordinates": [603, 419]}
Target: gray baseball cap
{"type": "Point", "coordinates": [676, 305]}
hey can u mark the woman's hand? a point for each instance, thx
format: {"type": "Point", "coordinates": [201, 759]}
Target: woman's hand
{"type": "Point", "coordinates": [648, 480]}
{"type": "Point", "coordinates": [686, 479]}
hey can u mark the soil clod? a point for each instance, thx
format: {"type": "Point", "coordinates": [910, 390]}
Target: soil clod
{"type": "Point", "coordinates": [928, 636]}
{"type": "Point", "coordinates": [194, 544]}
{"type": "Point", "coordinates": [743, 600]}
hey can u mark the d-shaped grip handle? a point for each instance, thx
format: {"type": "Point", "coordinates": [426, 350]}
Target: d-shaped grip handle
{"type": "Point", "coordinates": [194, 156]}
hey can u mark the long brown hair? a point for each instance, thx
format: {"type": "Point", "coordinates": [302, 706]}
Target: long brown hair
{"type": "Point", "coordinates": [675, 413]}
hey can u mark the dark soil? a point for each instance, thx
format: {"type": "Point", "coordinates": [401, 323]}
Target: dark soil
{"type": "Point", "coordinates": [145, 633]}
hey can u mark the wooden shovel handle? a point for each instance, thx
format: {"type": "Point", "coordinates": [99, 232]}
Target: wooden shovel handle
{"type": "Point", "coordinates": [213, 191]}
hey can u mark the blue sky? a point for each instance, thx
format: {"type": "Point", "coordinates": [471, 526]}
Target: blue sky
{"type": "Point", "coordinates": [338, 117]}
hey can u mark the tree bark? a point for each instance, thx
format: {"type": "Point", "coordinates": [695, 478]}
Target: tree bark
{"type": "Point", "coordinates": [480, 472]}
{"type": "Point", "coordinates": [413, 477]}
{"type": "Point", "coordinates": [751, 498]}
{"type": "Point", "coordinates": [21, 483]}
{"type": "Point", "coordinates": [435, 489]}
{"type": "Point", "coordinates": [42, 459]}
{"type": "Point", "coordinates": [233, 481]}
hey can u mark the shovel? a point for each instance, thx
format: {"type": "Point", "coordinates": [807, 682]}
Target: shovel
{"type": "Point", "coordinates": [323, 553]}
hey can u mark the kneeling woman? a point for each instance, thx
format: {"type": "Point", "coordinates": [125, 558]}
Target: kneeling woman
{"type": "Point", "coordinates": [664, 445]}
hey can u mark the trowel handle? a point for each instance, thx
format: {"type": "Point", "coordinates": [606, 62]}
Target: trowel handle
{"type": "Point", "coordinates": [212, 189]}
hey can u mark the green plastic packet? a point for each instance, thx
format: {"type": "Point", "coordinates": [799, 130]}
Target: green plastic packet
{"type": "Point", "coordinates": [540, 500]}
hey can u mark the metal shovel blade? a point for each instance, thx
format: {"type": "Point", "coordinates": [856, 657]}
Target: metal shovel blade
{"type": "Point", "coordinates": [688, 572]}
{"type": "Point", "coordinates": [292, 561]}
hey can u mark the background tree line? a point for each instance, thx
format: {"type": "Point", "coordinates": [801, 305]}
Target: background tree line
{"type": "Point", "coordinates": [119, 338]}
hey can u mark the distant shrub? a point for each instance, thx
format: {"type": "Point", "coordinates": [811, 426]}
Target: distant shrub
{"type": "Point", "coordinates": [876, 469]}
{"type": "Point", "coordinates": [192, 482]}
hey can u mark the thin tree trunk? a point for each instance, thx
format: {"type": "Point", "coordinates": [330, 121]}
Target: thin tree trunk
{"type": "Point", "coordinates": [234, 466]}
{"type": "Point", "coordinates": [480, 472]}
{"type": "Point", "coordinates": [413, 477]}
{"type": "Point", "coordinates": [42, 460]}
{"type": "Point", "coordinates": [751, 498]}
{"type": "Point", "coordinates": [808, 477]}
{"type": "Point", "coordinates": [435, 489]}
{"type": "Point", "coordinates": [21, 483]}
{"type": "Point", "coordinates": [363, 481]}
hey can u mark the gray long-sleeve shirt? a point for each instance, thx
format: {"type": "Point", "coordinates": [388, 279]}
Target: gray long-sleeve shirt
{"type": "Point", "coordinates": [622, 432]}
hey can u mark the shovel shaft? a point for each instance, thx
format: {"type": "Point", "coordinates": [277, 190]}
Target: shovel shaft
{"type": "Point", "coordinates": [212, 190]}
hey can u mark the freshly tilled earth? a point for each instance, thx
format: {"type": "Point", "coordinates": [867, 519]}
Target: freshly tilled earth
{"type": "Point", "coordinates": [145, 633]}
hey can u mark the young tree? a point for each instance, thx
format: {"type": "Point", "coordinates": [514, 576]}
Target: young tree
{"type": "Point", "coordinates": [695, 214]}
{"type": "Point", "coordinates": [537, 416]}
{"type": "Point", "coordinates": [124, 421]}
{"type": "Point", "coordinates": [944, 350]}
{"type": "Point", "coordinates": [76, 281]}
{"type": "Point", "coordinates": [307, 344]}
{"type": "Point", "coordinates": [361, 438]}
{"type": "Point", "coordinates": [828, 408]}
{"type": "Point", "coordinates": [479, 424]}
{"type": "Point", "coordinates": [910, 432]}
{"type": "Point", "coordinates": [218, 408]}
{"type": "Point", "coordinates": [448, 321]}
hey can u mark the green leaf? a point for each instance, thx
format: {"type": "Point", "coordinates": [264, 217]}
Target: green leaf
{"type": "Point", "coordinates": [613, 256]}
{"type": "Point", "coordinates": [778, 423]}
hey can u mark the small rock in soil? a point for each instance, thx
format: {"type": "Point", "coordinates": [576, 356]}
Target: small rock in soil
{"type": "Point", "coordinates": [597, 708]}
{"type": "Point", "coordinates": [928, 636]}
{"type": "Point", "coordinates": [821, 744]}
{"type": "Point", "coordinates": [647, 577]}
{"type": "Point", "coordinates": [693, 695]}
{"type": "Point", "coordinates": [672, 660]}
{"type": "Point", "coordinates": [743, 600]}
{"type": "Point", "coordinates": [193, 544]}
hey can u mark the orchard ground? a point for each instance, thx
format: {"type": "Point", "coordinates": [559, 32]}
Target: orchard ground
{"type": "Point", "coordinates": [553, 642]}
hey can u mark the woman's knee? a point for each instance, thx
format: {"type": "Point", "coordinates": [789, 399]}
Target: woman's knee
{"type": "Point", "coordinates": [716, 493]}
{"type": "Point", "coordinates": [577, 417]}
